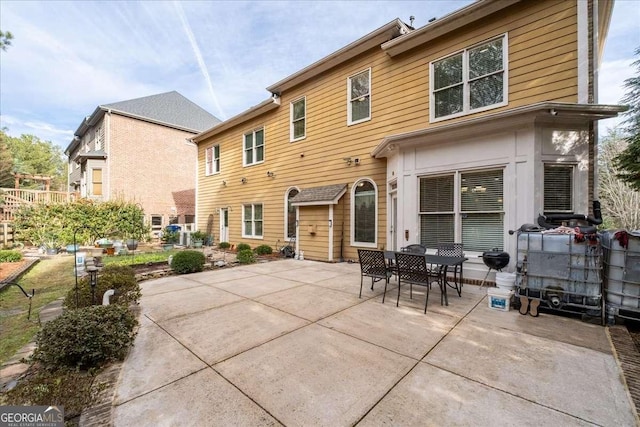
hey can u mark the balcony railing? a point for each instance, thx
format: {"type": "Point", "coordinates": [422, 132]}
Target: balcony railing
{"type": "Point", "coordinates": [14, 198]}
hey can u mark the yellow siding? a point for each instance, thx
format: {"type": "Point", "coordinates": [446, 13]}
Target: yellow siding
{"type": "Point", "coordinates": [542, 39]}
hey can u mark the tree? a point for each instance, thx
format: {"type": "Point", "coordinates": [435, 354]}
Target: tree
{"type": "Point", "coordinates": [628, 161]}
{"type": "Point", "coordinates": [31, 155]}
{"type": "Point", "coordinates": [620, 203]}
{"type": "Point", "coordinates": [5, 39]}
{"type": "Point", "coordinates": [6, 163]}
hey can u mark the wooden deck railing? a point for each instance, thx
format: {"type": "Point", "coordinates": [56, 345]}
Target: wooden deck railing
{"type": "Point", "coordinates": [16, 197]}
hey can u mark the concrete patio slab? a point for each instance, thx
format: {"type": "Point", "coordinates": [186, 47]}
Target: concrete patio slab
{"type": "Point", "coordinates": [200, 399]}
{"type": "Point", "coordinates": [316, 376]}
{"type": "Point", "coordinates": [217, 334]}
{"type": "Point", "coordinates": [178, 303]}
{"type": "Point", "coordinates": [168, 284]}
{"type": "Point", "coordinates": [567, 378]}
{"type": "Point", "coordinates": [310, 302]}
{"type": "Point", "coordinates": [403, 330]}
{"type": "Point", "coordinates": [545, 326]}
{"type": "Point", "coordinates": [307, 274]}
{"type": "Point", "coordinates": [429, 396]}
{"type": "Point", "coordinates": [350, 283]}
{"type": "Point", "coordinates": [220, 275]}
{"type": "Point", "coordinates": [155, 351]}
{"type": "Point", "coordinates": [255, 286]}
{"type": "Point", "coordinates": [271, 267]}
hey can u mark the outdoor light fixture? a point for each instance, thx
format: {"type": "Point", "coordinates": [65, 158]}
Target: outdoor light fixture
{"type": "Point", "coordinates": [271, 174]}
{"type": "Point", "coordinates": [243, 180]}
{"type": "Point", "coordinates": [348, 160]}
{"type": "Point", "coordinates": [93, 281]}
{"type": "Point", "coordinates": [224, 183]}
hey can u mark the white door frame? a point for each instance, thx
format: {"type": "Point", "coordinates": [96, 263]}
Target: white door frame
{"type": "Point", "coordinates": [224, 224]}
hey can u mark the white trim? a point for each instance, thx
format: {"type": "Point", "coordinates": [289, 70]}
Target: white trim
{"type": "Point", "coordinates": [291, 136]}
{"type": "Point", "coordinates": [286, 213]}
{"type": "Point", "coordinates": [466, 109]}
{"type": "Point", "coordinates": [349, 100]}
{"type": "Point", "coordinates": [353, 217]}
{"type": "Point", "coordinates": [253, 149]}
{"type": "Point", "coordinates": [583, 52]}
{"type": "Point", "coordinates": [330, 258]}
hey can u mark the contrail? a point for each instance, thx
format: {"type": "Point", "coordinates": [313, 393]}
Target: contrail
{"type": "Point", "coordinates": [198, 54]}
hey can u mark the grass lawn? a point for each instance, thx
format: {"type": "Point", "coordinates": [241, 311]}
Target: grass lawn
{"type": "Point", "coordinates": [51, 279]}
{"type": "Point", "coordinates": [138, 258]}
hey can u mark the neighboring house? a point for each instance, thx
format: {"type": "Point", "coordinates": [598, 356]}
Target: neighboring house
{"type": "Point", "coordinates": [457, 131]}
{"type": "Point", "coordinates": [140, 150]}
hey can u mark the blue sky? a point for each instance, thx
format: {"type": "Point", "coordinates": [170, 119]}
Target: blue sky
{"type": "Point", "coordinates": [69, 57]}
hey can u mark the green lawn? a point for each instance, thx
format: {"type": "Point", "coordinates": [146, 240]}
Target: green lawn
{"type": "Point", "coordinates": [138, 258]}
{"type": "Point", "coordinates": [51, 279]}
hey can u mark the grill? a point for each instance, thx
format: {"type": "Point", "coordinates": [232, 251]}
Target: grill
{"type": "Point", "coordinates": [494, 259]}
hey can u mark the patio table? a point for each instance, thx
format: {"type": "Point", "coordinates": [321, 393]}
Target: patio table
{"type": "Point", "coordinates": [443, 263]}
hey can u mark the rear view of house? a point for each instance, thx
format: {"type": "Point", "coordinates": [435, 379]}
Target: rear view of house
{"type": "Point", "coordinates": [457, 131]}
{"type": "Point", "coordinates": [140, 150]}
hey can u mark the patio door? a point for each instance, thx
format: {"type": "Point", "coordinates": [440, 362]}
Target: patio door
{"type": "Point", "coordinates": [224, 224]}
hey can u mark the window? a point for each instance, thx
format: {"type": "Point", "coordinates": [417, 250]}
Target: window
{"type": "Point", "coordinates": [252, 220]}
{"type": "Point", "coordinates": [298, 119]}
{"type": "Point", "coordinates": [472, 209]}
{"type": "Point", "coordinates": [99, 144]}
{"type": "Point", "coordinates": [469, 81]}
{"type": "Point", "coordinates": [291, 212]}
{"type": "Point", "coordinates": [254, 147]}
{"type": "Point", "coordinates": [364, 213]}
{"type": "Point", "coordinates": [359, 97]}
{"type": "Point", "coordinates": [212, 160]}
{"type": "Point", "coordinates": [156, 223]}
{"type": "Point", "coordinates": [558, 188]}
{"type": "Point", "coordinates": [96, 182]}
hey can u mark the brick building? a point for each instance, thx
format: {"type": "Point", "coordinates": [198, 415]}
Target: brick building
{"type": "Point", "coordinates": [140, 150]}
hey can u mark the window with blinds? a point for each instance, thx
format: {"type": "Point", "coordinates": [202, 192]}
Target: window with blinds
{"type": "Point", "coordinates": [558, 188]}
{"type": "Point", "coordinates": [480, 215]}
{"type": "Point", "coordinates": [436, 210]}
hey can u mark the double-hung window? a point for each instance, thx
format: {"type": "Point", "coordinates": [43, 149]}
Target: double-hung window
{"type": "Point", "coordinates": [298, 119]}
{"type": "Point", "coordinates": [254, 147]}
{"type": "Point", "coordinates": [212, 160]}
{"type": "Point", "coordinates": [558, 188]}
{"type": "Point", "coordinates": [252, 220]}
{"type": "Point", "coordinates": [463, 206]}
{"type": "Point", "coordinates": [470, 81]}
{"type": "Point", "coordinates": [359, 97]}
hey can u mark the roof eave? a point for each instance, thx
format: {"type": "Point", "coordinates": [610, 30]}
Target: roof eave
{"type": "Point", "coordinates": [146, 119]}
{"type": "Point", "coordinates": [383, 34]}
{"type": "Point", "coordinates": [333, 201]}
{"type": "Point", "coordinates": [448, 23]}
{"type": "Point", "coordinates": [550, 110]}
{"type": "Point", "coordinates": [255, 111]}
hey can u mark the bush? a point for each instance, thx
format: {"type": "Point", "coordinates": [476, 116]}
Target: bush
{"type": "Point", "coordinates": [224, 245]}
{"type": "Point", "coordinates": [86, 338]}
{"type": "Point", "coordinates": [188, 262]}
{"type": "Point", "coordinates": [10, 256]}
{"type": "Point", "coordinates": [120, 278]}
{"type": "Point", "coordinates": [264, 250]}
{"type": "Point", "coordinates": [246, 256]}
{"type": "Point", "coordinates": [242, 247]}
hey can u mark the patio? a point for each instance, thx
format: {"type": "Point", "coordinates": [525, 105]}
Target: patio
{"type": "Point", "coordinates": [289, 342]}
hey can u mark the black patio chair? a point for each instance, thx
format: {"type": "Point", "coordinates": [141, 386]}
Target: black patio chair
{"type": "Point", "coordinates": [453, 249]}
{"type": "Point", "coordinates": [415, 249]}
{"type": "Point", "coordinates": [412, 269]}
{"type": "Point", "coordinates": [373, 265]}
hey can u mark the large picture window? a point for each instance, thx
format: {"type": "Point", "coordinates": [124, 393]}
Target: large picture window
{"type": "Point", "coordinates": [252, 220]}
{"type": "Point", "coordinates": [96, 182]}
{"type": "Point", "coordinates": [291, 214]}
{"type": "Point", "coordinates": [212, 160]}
{"type": "Point", "coordinates": [254, 147]}
{"type": "Point", "coordinates": [359, 97]}
{"type": "Point", "coordinates": [364, 213]}
{"type": "Point", "coordinates": [558, 188]}
{"type": "Point", "coordinates": [469, 81]}
{"type": "Point", "coordinates": [298, 119]}
{"type": "Point", "coordinates": [465, 206]}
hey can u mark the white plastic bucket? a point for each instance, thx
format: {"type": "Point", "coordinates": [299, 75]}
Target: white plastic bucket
{"type": "Point", "coordinates": [499, 299]}
{"type": "Point", "coordinates": [505, 280]}
{"type": "Point", "coordinates": [81, 257]}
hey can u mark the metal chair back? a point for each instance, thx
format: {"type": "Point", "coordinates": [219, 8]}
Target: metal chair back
{"type": "Point", "coordinates": [412, 269]}
{"type": "Point", "coordinates": [373, 265]}
{"type": "Point", "coordinates": [415, 249]}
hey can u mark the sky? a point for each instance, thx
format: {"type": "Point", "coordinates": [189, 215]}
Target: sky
{"type": "Point", "coordinates": [67, 58]}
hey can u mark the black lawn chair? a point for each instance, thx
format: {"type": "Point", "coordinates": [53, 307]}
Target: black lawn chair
{"type": "Point", "coordinates": [412, 268]}
{"type": "Point", "coordinates": [373, 265]}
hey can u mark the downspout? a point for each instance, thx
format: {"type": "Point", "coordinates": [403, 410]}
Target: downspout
{"type": "Point", "coordinates": [330, 233]}
{"type": "Point", "coordinates": [344, 206]}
